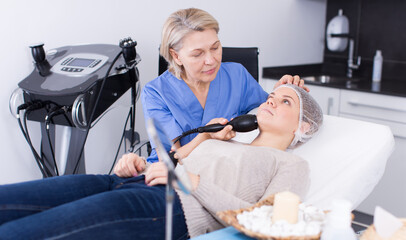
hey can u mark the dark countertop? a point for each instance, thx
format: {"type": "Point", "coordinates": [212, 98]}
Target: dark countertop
{"type": "Point", "coordinates": [386, 86]}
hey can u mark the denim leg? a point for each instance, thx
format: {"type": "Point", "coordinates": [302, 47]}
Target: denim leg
{"type": "Point", "coordinates": [26, 198]}
{"type": "Point", "coordinates": [130, 211]}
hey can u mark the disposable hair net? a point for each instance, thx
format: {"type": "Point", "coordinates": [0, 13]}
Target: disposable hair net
{"type": "Point", "coordinates": [310, 112]}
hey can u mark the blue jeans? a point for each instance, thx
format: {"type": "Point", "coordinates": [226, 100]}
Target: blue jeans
{"type": "Point", "coordinates": [87, 207]}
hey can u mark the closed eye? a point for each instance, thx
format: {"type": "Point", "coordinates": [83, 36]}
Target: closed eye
{"type": "Point", "coordinates": [197, 54]}
{"type": "Point", "coordinates": [215, 46]}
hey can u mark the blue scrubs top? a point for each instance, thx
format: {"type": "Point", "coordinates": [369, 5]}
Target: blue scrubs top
{"type": "Point", "coordinates": [174, 106]}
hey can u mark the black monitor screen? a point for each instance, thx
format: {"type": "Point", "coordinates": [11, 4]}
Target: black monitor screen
{"type": "Point", "coordinates": [81, 62]}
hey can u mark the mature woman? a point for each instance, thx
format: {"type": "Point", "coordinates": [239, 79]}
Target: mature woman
{"type": "Point", "coordinates": [198, 87]}
{"type": "Point", "coordinates": [224, 175]}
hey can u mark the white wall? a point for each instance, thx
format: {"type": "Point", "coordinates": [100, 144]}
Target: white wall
{"type": "Point", "coordinates": [286, 31]}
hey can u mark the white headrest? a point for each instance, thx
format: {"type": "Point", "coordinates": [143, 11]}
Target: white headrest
{"type": "Point", "coordinates": [347, 159]}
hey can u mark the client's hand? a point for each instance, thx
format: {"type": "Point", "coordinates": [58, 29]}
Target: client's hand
{"type": "Point", "coordinates": [226, 134]}
{"type": "Point", "coordinates": [194, 179]}
{"type": "Point", "coordinates": [292, 80]}
{"type": "Point", "coordinates": [129, 165]}
{"type": "Point", "coordinates": [157, 173]}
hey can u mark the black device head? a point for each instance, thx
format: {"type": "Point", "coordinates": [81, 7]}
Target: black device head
{"type": "Point", "coordinates": [38, 52]}
{"type": "Point", "coordinates": [39, 56]}
{"type": "Point", "coordinates": [129, 52]}
{"type": "Point", "coordinates": [244, 123]}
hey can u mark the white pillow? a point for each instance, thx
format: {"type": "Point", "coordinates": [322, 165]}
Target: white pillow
{"type": "Point", "coordinates": [347, 159]}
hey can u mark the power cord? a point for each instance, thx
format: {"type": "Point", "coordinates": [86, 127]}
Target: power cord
{"type": "Point", "coordinates": [121, 141]}
{"type": "Point", "coordinates": [22, 122]}
{"type": "Point", "coordinates": [94, 109]}
{"type": "Point", "coordinates": [48, 119]}
{"type": "Point", "coordinates": [130, 56]}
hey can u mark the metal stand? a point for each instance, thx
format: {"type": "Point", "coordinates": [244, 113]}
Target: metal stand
{"type": "Point", "coordinates": [75, 163]}
{"type": "Point", "coordinates": [76, 142]}
{"type": "Point", "coordinates": [170, 196]}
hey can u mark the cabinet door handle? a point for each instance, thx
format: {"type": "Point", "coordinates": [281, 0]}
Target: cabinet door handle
{"type": "Point", "coordinates": [356, 103]}
{"type": "Point", "coordinates": [330, 102]}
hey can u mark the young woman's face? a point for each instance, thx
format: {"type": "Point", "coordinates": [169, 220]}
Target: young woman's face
{"type": "Point", "coordinates": [200, 55]}
{"type": "Point", "coordinates": [280, 112]}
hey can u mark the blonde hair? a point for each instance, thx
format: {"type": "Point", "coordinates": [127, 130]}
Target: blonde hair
{"type": "Point", "coordinates": [177, 26]}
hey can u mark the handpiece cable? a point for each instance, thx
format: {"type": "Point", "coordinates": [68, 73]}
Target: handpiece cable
{"type": "Point", "coordinates": [26, 136]}
{"type": "Point", "coordinates": [94, 108]}
{"type": "Point", "coordinates": [121, 141]}
{"type": "Point", "coordinates": [243, 123]}
{"type": "Point", "coordinates": [41, 159]}
{"type": "Point", "coordinates": [37, 105]}
{"type": "Point", "coordinates": [48, 119]}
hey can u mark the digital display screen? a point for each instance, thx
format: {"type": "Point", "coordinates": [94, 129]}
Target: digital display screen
{"type": "Point", "coordinates": [81, 62]}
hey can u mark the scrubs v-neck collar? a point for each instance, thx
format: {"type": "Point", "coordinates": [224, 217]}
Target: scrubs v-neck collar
{"type": "Point", "coordinates": [203, 115]}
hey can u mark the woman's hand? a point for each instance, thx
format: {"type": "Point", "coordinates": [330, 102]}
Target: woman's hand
{"type": "Point", "coordinates": [225, 134]}
{"type": "Point", "coordinates": [157, 173]}
{"type": "Point", "coordinates": [288, 79]}
{"type": "Point", "coordinates": [194, 180]}
{"type": "Point", "coordinates": [129, 165]}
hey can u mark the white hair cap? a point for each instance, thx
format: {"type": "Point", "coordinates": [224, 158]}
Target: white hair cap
{"type": "Point", "coordinates": [310, 112]}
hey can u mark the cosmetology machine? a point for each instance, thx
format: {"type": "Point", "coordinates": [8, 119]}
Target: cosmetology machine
{"type": "Point", "coordinates": [74, 86]}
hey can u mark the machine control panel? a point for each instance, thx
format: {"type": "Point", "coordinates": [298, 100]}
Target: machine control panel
{"type": "Point", "coordinates": [79, 64]}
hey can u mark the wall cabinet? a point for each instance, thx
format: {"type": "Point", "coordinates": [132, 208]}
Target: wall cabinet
{"type": "Point", "coordinates": [378, 108]}
{"type": "Point", "coordinates": [390, 193]}
{"type": "Point", "coordinates": [328, 99]}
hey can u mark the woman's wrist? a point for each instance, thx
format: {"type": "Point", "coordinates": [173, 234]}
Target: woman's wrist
{"type": "Point", "coordinates": [203, 137]}
{"type": "Point", "coordinates": [194, 179]}
{"type": "Point", "coordinates": [185, 150]}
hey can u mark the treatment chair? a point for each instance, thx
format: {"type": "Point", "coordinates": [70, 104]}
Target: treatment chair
{"type": "Point", "coordinates": [346, 157]}
{"type": "Point", "coordinates": [248, 57]}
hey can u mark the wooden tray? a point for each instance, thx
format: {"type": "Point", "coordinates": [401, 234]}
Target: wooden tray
{"type": "Point", "coordinates": [230, 217]}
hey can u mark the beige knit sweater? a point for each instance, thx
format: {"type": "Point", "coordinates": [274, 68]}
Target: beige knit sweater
{"type": "Point", "coordinates": [234, 176]}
